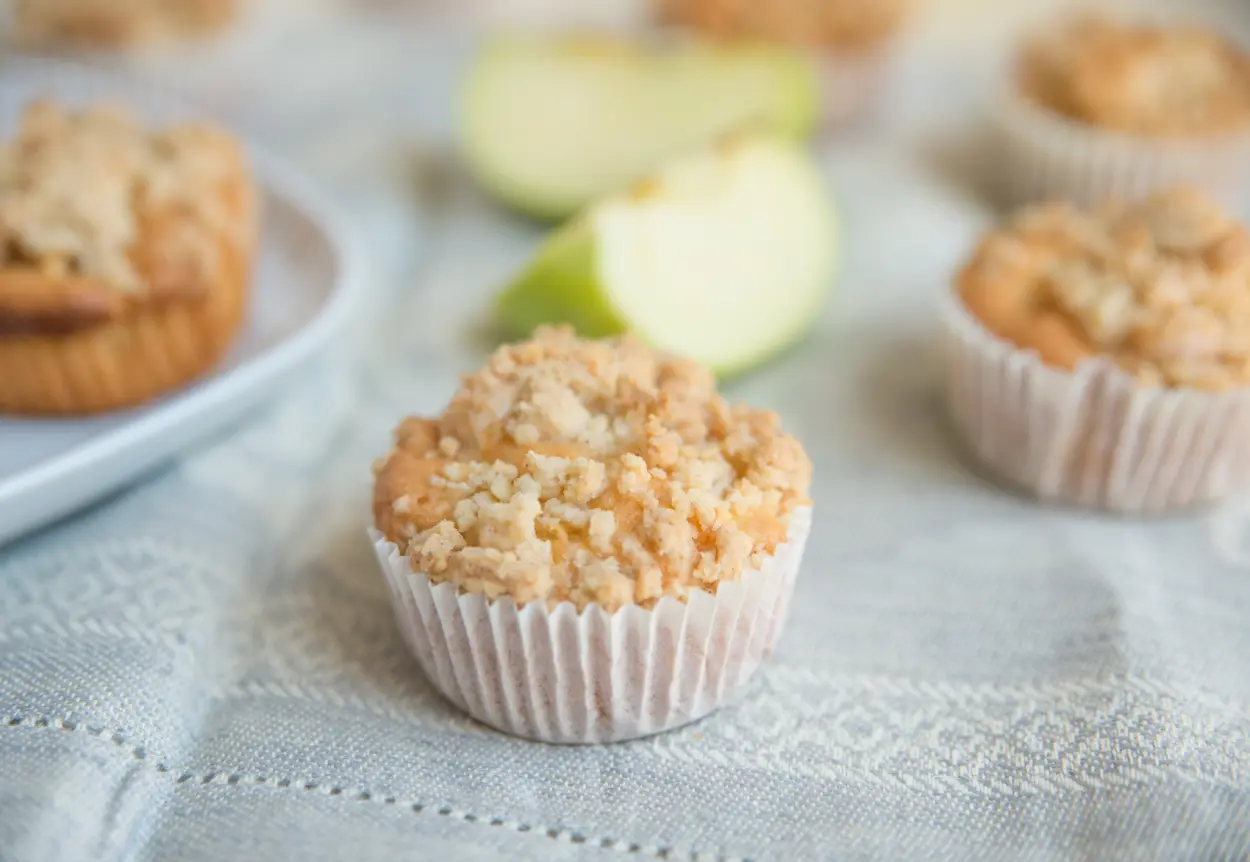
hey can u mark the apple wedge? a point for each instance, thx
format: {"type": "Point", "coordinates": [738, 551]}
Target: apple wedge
{"type": "Point", "coordinates": [552, 122]}
{"type": "Point", "coordinates": [724, 257]}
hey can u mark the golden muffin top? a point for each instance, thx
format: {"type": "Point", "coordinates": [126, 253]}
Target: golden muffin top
{"type": "Point", "coordinates": [1161, 286]}
{"type": "Point", "coordinates": [591, 472]}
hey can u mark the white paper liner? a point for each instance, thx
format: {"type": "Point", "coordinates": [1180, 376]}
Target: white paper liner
{"type": "Point", "coordinates": [1091, 437]}
{"type": "Point", "coordinates": [563, 677]}
{"type": "Point", "coordinates": [1046, 156]}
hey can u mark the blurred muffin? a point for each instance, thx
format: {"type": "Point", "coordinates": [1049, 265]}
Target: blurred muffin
{"type": "Point", "coordinates": [1101, 109]}
{"type": "Point", "coordinates": [1102, 358]}
{"type": "Point", "coordinates": [850, 38]}
{"type": "Point", "coordinates": [125, 258]}
{"type": "Point", "coordinates": [590, 544]}
{"type": "Point", "coordinates": [116, 23]}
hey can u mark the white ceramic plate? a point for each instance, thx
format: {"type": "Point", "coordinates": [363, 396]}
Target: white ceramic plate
{"type": "Point", "coordinates": [304, 285]}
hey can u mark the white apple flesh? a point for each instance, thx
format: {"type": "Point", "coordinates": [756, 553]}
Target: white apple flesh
{"type": "Point", "coordinates": [725, 257]}
{"type": "Point", "coordinates": [550, 123]}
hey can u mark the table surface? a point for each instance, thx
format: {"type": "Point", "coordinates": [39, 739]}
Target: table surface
{"type": "Point", "coordinates": [204, 667]}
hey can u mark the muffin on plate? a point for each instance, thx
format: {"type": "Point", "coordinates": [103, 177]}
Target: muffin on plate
{"type": "Point", "coordinates": [590, 544]}
{"type": "Point", "coordinates": [1102, 358]}
{"type": "Point", "coordinates": [850, 39]}
{"type": "Point", "coordinates": [117, 23]}
{"type": "Point", "coordinates": [125, 261]}
{"type": "Point", "coordinates": [1102, 109]}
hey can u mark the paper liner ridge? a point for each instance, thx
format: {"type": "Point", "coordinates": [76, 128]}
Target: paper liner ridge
{"type": "Point", "coordinates": [1092, 437]}
{"type": "Point", "coordinates": [560, 676]}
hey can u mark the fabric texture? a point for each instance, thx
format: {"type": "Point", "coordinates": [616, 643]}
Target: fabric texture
{"type": "Point", "coordinates": [206, 666]}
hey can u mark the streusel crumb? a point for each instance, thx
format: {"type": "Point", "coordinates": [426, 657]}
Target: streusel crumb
{"type": "Point", "coordinates": [1140, 79]}
{"type": "Point", "coordinates": [76, 188]}
{"type": "Point", "coordinates": [1162, 287]}
{"type": "Point", "coordinates": [590, 472]}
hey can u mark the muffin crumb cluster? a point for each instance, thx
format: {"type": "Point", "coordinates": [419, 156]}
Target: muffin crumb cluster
{"type": "Point", "coordinates": [592, 472]}
{"type": "Point", "coordinates": [1161, 286]}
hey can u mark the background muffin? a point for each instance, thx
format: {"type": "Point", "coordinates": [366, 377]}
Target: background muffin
{"type": "Point", "coordinates": [604, 498]}
{"type": "Point", "coordinates": [125, 261]}
{"type": "Point", "coordinates": [115, 23]}
{"type": "Point", "coordinates": [849, 38]}
{"type": "Point", "coordinates": [1102, 109]}
{"type": "Point", "coordinates": [1102, 358]}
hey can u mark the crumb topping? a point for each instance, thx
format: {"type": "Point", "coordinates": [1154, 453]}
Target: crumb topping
{"type": "Point", "coordinates": [589, 471]}
{"type": "Point", "coordinates": [849, 24]}
{"type": "Point", "coordinates": [1140, 79]}
{"type": "Point", "coordinates": [1162, 287]}
{"type": "Point", "coordinates": [75, 188]}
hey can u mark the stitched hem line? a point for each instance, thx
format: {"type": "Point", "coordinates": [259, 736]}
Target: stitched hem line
{"type": "Point", "coordinates": [185, 777]}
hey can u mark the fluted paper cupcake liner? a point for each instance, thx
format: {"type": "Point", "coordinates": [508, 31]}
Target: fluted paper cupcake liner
{"type": "Point", "coordinates": [555, 675]}
{"type": "Point", "coordinates": [1046, 156]}
{"type": "Point", "coordinates": [1092, 437]}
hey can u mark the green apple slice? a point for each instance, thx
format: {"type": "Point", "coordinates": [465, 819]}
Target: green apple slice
{"type": "Point", "coordinates": [551, 122]}
{"type": "Point", "coordinates": [724, 257]}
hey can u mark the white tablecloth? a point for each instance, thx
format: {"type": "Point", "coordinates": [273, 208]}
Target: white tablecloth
{"type": "Point", "coordinates": [205, 667]}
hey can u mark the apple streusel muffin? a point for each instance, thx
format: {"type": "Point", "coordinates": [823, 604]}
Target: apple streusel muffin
{"type": "Point", "coordinates": [1102, 357]}
{"type": "Point", "coordinates": [1104, 109]}
{"type": "Point", "coordinates": [591, 544]}
{"type": "Point", "coordinates": [126, 258]}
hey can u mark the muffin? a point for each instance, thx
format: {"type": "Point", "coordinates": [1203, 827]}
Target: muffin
{"type": "Point", "coordinates": [117, 23]}
{"type": "Point", "coordinates": [849, 38]}
{"type": "Point", "coordinates": [590, 544]}
{"type": "Point", "coordinates": [1101, 110]}
{"type": "Point", "coordinates": [125, 258]}
{"type": "Point", "coordinates": [1102, 357]}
